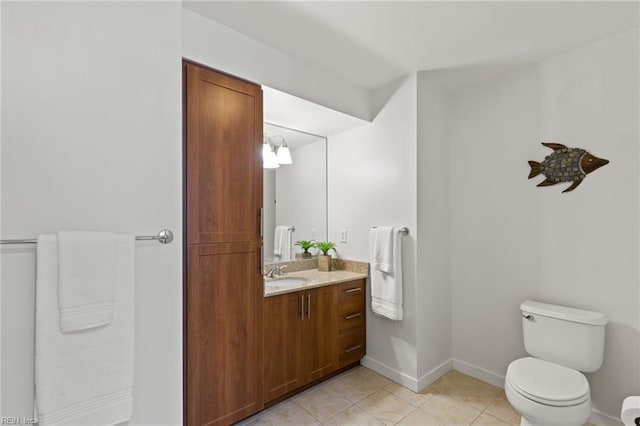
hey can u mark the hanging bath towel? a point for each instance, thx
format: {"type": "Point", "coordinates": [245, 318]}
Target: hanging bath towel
{"type": "Point", "coordinates": [283, 242]}
{"type": "Point", "coordinates": [386, 287]}
{"type": "Point", "coordinates": [84, 377]}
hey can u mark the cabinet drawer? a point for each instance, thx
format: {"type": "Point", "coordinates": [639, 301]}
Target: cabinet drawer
{"type": "Point", "coordinates": [351, 315]}
{"type": "Point", "coordinates": [351, 290]}
{"type": "Point", "coordinates": [351, 347]}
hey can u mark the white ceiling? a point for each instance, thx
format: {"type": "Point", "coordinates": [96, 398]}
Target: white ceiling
{"type": "Point", "coordinates": [294, 138]}
{"type": "Point", "coordinates": [291, 111]}
{"type": "Point", "coordinates": [370, 44]}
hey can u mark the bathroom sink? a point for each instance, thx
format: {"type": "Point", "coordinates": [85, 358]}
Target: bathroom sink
{"type": "Point", "coordinates": [284, 282]}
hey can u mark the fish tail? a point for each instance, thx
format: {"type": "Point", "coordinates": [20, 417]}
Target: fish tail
{"type": "Point", "coordinates": [536, 169]}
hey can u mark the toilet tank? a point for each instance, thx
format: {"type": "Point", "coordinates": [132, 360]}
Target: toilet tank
{"type": "Point", "coordinates": [566, 336]}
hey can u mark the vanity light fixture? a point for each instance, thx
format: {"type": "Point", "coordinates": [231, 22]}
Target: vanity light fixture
{"type": "Point", "coordinates": [284, 155]}
{"type": "Point", "coordinates": [269, 159]}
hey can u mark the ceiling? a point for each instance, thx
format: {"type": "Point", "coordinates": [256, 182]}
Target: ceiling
{"type": "Point", "coordinates": [295, 139]}
{"type": "Point", "coordinates": [373, 43]}
{"type": "Point", "coordinates": [293, 112]}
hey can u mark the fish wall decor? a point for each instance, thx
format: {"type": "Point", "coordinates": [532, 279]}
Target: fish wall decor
{"type": "Point", "coordinates": [565, 165]}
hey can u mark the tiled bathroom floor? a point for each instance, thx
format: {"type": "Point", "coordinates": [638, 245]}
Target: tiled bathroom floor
{"type": "Point", "coordinates": [362, 397]}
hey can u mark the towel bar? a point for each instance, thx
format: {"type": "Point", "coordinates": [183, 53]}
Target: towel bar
{"type": "Point", "coordinates": [165, 237]}
{"type": "Point", "coordinates": [404, 230]}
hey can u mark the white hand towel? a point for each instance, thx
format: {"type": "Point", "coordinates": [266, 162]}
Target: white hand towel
{"type": "Point", "coordinates": [84, 378]}
{"type": "Point", "coordinates": [383, 257]}
{"type": "Point", "coordinates": [386, 288]}
{"type": "Point", "coordinates": [282, 243]}
{"type": "Point", "coordinates": [86, 279]}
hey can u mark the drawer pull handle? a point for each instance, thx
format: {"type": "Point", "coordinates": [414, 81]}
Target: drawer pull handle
{"type": "Point", "coordinates": [353, 348]}
{"type": "Point", "coordinates": [348, 317]}
{"type": "Point", "coordinates": [353, 290]}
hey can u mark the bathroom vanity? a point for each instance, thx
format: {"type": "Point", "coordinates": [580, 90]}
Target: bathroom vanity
{"type": "Point", "coordinates": [311, 329]}
{"type": "Point", "coordinates": [244, 349]}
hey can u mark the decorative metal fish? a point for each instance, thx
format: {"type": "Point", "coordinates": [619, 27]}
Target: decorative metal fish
{"type": "Point", "coordinates": [565, 165]}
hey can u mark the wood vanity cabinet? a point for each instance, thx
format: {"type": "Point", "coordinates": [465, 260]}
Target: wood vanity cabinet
{"type": "Point", "coordinates": [299, 339]}
{"type": "Point", "coordinates": [223, 285]}
{"type": "Point", "coordinates": [282, 324]}
{"type": "Point", "coordinates": [310, 334]}
{"type": "Point", "coordinates": [351, 318]}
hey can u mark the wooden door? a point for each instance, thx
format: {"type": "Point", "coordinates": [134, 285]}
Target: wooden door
{"type": "Point", "coordinates": [223, 289]}
{"type": "Point", "coordinates": [283, 316]}
{"type": "Point", "coordinates": [320, 332]}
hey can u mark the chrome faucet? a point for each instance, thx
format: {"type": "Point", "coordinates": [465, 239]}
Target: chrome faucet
{"type": "Point", "coordinates": [275, 271]}
{"type": "Point", "coordinates": [270, 272]}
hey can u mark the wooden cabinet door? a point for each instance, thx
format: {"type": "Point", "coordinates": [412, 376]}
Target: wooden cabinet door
{"type": "Point", "coordinates": [223, 288]}
{"type": "Point", "coordinates": [223, 126]}
{"type": "Point", "coordinates": [282, 344]}
{"type": "Point", "coordinates": [320, 332]}
{"type": "Point", "coordinates": [224, 339]}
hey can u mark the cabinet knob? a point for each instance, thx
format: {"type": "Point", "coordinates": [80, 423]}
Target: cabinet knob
{"type": "Point", "coordinates": [348, 317]}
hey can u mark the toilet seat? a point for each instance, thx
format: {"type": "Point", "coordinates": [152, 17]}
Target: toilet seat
{"type": "Point", "coordinates": [547, 383]}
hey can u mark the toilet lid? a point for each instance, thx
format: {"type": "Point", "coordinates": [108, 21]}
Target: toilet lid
{"type": "Point", "coordinates": [548, 383]}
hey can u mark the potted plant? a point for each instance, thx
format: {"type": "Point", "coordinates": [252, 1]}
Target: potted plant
{"type": "Point", "coordinates": [324, 260]}
{"type": "Point", "coordinates": [305, 245]}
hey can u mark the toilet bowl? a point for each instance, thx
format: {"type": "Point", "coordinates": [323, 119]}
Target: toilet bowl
{"type": "Point", "coordinates": [547, 394]}
{"type": "Point", "coordinates": [548, 387]}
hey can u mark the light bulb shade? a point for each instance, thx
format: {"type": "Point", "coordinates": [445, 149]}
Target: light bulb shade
{"type": "Point", "coordinates": [269, 159]}
{"type": "Point", "coordinates": [284, 155]}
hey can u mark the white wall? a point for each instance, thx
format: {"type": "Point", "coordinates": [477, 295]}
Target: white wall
{"type": "Point", "coordinates": [302, 193]}
{"type": "Point", "coordinates": [434, 228]}
{"type": "Point", "coordinates": [269, 206]}
{"type": "Point", "coordinates": [210, 43]}
{"type": "Point", "coordinates": [512, 241]}
{"type": "Point", "coordinates": [372, 181]}
{"type": "Point", "coordinates": [1, 258]}
{"type": "Point", "coordinates": [91, 109]}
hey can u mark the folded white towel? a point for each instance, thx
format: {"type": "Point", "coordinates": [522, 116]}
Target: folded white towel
{"type": "Point", "coordinates": [86, 279]}
{"type": "Point", "coordinates": [386, 288]}
{"type": "Point", "coordinates": [383, 246]}
{"type": "Point", "coordinates": [282, 243]}
{"type": "Point", "coordinates": [84, 378]}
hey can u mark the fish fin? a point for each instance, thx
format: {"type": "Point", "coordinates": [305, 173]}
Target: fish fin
{"type": "Point", "coordinates": [573, 186]}
{"type": "Point", "coordinates": [554, 146]}
{"type": "Point", "coordinates": [536, 169]}
{"type": "Point", "coordinates": [547, 182]}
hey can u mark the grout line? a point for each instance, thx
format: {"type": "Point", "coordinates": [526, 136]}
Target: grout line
{"type": "Point", "coordinates": [411, 412]}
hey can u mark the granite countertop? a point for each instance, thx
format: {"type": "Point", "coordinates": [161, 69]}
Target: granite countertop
{"type": "Point", "coordinates": [314, 278]}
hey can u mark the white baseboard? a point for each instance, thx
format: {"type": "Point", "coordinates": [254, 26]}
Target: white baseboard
{"type": "Point", "coordinates": [479, 373]}
{"type": "Point", "coordinates": [597, 418]}
{"type": "Point", "coordinates": [406, 380]}
{"type": "Point", "coordinates": [390, 373]}
{"type": "Point", "coordinates": [434, 374]}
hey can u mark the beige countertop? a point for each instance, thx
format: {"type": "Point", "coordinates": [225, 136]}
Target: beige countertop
{"type": "Point", "coordinates": [314, 278]}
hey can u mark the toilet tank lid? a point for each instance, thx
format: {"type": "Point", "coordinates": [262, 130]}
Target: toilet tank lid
{"type": "Point", "coordinates": [564, 313]}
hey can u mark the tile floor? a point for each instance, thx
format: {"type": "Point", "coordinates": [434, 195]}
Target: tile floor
{"type": "Point", "coordinates": [362, 397]}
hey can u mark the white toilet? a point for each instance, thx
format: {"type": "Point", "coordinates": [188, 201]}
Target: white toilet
{"type": "Point", "coordinates": [548, 388]}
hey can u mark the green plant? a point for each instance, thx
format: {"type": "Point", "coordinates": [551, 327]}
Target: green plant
{"type": "Point", "coordinates": [325, 246]}
{"type": "Point", "coordinates": [305, 245]}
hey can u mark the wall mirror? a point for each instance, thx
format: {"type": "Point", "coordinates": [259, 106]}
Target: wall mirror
{"type": "Point", "coordinates": [295, 195]}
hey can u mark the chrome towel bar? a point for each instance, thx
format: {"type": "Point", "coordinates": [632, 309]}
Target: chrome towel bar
{"type": "Point", "coordinates": [165, 237]}
{"type": "Point", "coordinates": [404, 230]}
